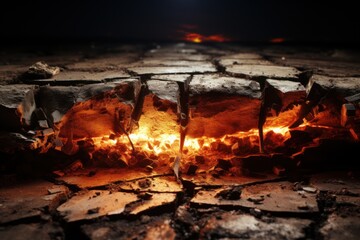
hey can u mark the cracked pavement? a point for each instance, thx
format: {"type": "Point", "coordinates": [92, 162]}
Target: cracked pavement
{"type": "Point", "coordinates": [126, 204]}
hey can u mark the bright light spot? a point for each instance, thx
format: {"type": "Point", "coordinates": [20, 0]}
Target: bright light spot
{"type": "Point", "coordinates": [198, 38]}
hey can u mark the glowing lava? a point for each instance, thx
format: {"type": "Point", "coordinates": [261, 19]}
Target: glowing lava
{"type": "Point", "coordinates": [146, 142]}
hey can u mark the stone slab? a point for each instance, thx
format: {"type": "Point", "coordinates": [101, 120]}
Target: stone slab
{"type": "Point", "coordinates": [207, 180]}
{"type": "Point", "coordinates": [271, 197]}
{"type": "Point", "coordinates": [215, 83]}
{"type": "Point", "coordinates": [156, 200]}
{"type": "Point", "coordinates": [172, 77]}
{"type": "Point", "coordinates": [226, 62]}
{"type": "Point", "coordinates": [193, 68]}
{"type": "Point", "coordinates": [256, 71]}
{"type": "Point", "coordinates": [345, 86]}
{"type": "Point", "coordinates": [153, 184]}
{"type": "Point", "coordinates": [94, 204]}
{"type": "Point", "coordinates": [76, 77]}
{"type": "Point", "coordinates": [103, 177]}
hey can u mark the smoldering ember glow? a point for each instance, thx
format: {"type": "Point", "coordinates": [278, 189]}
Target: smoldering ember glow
{"type": "Point", "coordinates": [277, 40]}
{"type": "Point", "coordinates": [199, 38]}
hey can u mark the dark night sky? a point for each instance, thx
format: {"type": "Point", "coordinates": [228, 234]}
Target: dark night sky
{"type": "Point", "coordinates": [294, 20]}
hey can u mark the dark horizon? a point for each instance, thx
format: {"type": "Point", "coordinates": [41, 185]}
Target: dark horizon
{"type": "Point", "coordinates": [171, 20]}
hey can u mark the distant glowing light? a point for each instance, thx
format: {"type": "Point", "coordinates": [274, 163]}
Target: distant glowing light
{"type": "Point", "coordinates": [194, 37]}
{"type": "Point", "coordinates": [277, 40]}
{"type": "Point", "coordinates": [198, 38]}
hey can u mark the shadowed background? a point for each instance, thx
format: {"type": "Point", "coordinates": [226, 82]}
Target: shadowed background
{"type": "Point", "coordinates": [244, 21]}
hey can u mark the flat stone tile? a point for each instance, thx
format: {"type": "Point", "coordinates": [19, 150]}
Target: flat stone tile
{"type": "Point", "coordinates": [153, 184]}
{"type": "Point", "coordinates": [285, 86]}
{"type": "Point", "coordinates": [193, 68]}
{"type": "Point", "coordinates": [345, 86]}
{"type": "Point", "coordinates": [73, 77]}
{"type": "Point", "coordinates": [277, 72]}
{"type": "Point", "coordinates": [28, 200]}
{"type": "Point", "coordinates": [167, 62]}
{"type": "Point", "coordinates": [172, 77]}
{"type": "Point", "coordinates": [204, 179]}
{"type": "Point", "coordinates": [274, 197]}
{"type": "Point", "coordinates": [156, 200]}
{"type": "Point", "coordinates": [323, 65]}
{"type": "Point", "coordinates": [94, 204]}
{"type": "Point", "coordinates": [103, 177]}
{"type": "Point", "coordinates": [208, 83]}
{"type": "Point", "coordinates": [226, 62]}
{"type": "Point", "coordinates": [178, 56]}
{"type": "Point", "coordinates": [232, 226]}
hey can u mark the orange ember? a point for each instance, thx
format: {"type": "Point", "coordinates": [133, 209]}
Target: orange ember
{"type": "Point", "coordinates": [194, 37]}
{"type": "Point", "coordinates": [277, 40]}
{"type": "Point", "coordinates": [155, 138]}
{"type": "Point", "coordinates": [198, 38]}
{"type": "Point", "coordinates": [169, 143]}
